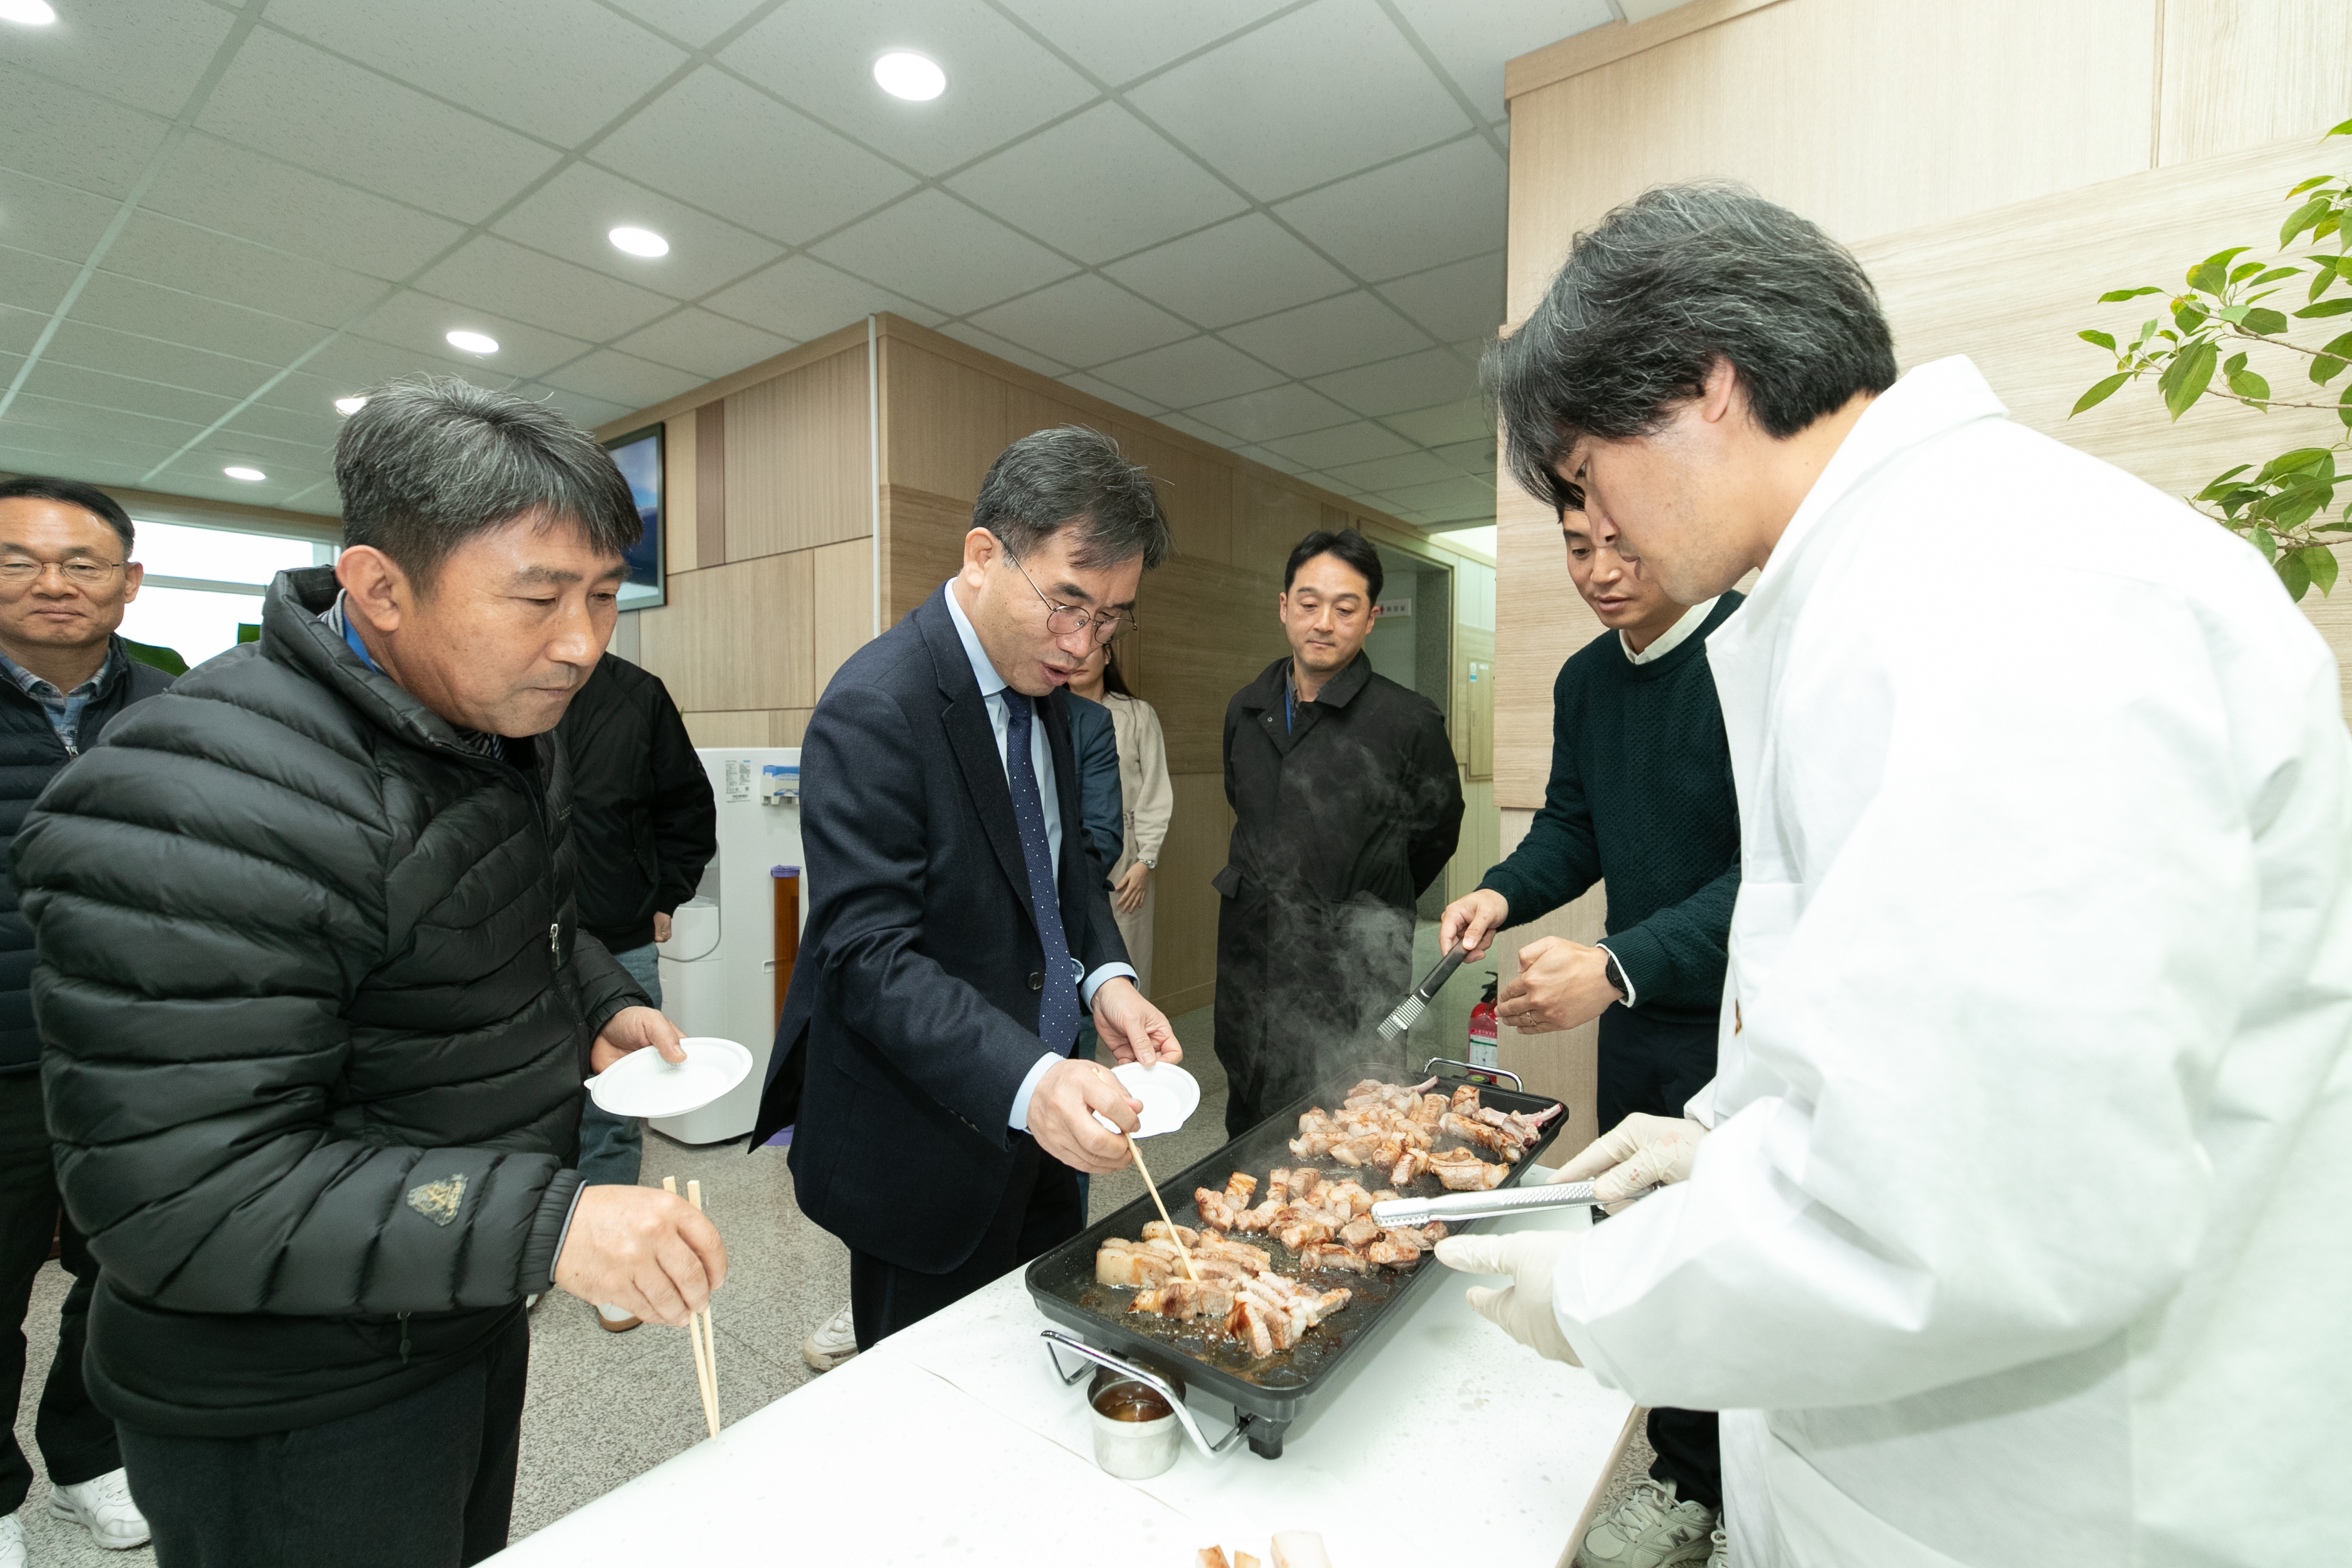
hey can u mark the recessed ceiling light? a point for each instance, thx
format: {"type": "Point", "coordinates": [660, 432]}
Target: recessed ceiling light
{"type": "Point", "coordinates": [638, 241]}
{"type": "Point", "coordinates": [240, 471]}
{"type": "Point", "coordinates": [473, 342]}
{"type": "Point", "coordinates": [347, 407]}
{"type": "Point", "coordinates": [31, 13]}
{"type": "Point", "coordinates": [902, 73]}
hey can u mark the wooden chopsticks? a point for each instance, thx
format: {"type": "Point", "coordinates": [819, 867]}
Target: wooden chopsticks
{"type": "Point", "coordinates": [1158, 1202]}
{"type": "Point", "coordinates": [697, 1328]}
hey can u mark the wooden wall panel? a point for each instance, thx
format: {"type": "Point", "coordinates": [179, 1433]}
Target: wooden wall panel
{"type": "Point", "coordinates": [1868, 117]}
{"type": "Point", "coordinates": [737, 637]}
{"type": "Point", "coordinates": [922, 545]}
{"type": "Point", "coordinates": [678, 475]}
{"type": "Point", "coordinates": [943, 422]}
{"type": "Point", "coordinates": [1211, 629]}
{"type": "Point", "coordinates": [1540, 621]}
{"type": "Point", "coordinates": [750, 727]}
{"type": "Point", "coordinates": [842, 605]}
{"type": "Point", "coordinates": [1269, 519]}
{"type": "Point", "coordinates": [2240, 73]}
{"type": "Point", "coordinates": [797, 459]}
{"type": "Point", "coordinates": [1184, 921]}
{"type": "Point", "coordinates": [710, 484]}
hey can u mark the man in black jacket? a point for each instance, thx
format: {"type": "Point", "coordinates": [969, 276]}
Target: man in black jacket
{"type": "Point", "coordinates": [316, 1009]}
{"type": "Point", "coordinates": [1346, 804]}
{"type": "Point", "coordinates": [65, 574]}
{"type": "Point", "coordinates": [646, 826]}
{"type": "Point", "coordinates": [959, 926]}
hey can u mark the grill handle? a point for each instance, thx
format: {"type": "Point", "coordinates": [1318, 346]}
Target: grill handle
{"type": "Point", "coordinates": [1465, 1066]}
{"type": "Point", "coordinates": [1056, 1338]}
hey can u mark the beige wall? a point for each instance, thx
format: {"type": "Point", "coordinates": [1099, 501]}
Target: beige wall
{"type": "Point", "coordinates": [1995, 163]}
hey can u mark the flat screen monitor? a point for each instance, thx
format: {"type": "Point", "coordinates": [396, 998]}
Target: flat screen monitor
{"type": "Point", "coordinates": [638, 455]}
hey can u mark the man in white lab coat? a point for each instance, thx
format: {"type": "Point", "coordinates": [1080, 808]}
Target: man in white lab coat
{"type": "Point", "coordinates": [2011, 1229]}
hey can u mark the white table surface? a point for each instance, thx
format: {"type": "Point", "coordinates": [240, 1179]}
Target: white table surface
{"type": "Point", "coordinates": [953, 1441]}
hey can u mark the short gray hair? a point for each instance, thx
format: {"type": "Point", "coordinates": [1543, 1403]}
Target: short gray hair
{"type": "Point", "coordinates": [429, 461]}
{"type": "Point", "coordinates": [1677, 279]}
{"type": "Point", "coordinates": [1073, 477]}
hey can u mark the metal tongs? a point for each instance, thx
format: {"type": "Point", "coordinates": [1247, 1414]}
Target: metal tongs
{"type": "Point", "coordinates": [1457, 1206]}
{"type": "Point", "coordinates": [1408, 1013]}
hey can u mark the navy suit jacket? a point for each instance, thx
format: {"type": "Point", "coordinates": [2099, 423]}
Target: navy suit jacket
{"type": "Point", "coordinates": [913, 1015]}
{"type": "Point", "coordinates": [1095, 739]}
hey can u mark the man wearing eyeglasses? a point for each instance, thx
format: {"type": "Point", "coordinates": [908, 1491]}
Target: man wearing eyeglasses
{"type": "Point", "coordinates": [65, 574]}
{"type": "Point", "coordinates": [959, 930]}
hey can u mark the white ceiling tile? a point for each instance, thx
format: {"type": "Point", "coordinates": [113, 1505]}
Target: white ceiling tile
{"type": "Point", "coordinates": [1342, 443]}
{"type": "Point", "coordinates": [199, 473]}
{"type": "Point", "coordinates": [1433, 207]}
{"type": "Point", "coordinates": [1003, 349]}
{"type": "Point", "coordinates": [150, 54]}
{"type": "Point", "coordinates": [709, 346]}
{"type": "Point", "coordinates": [555, 68]}
{"type": "Point", "coordinates": [581, 409]}
{"type": "Point", "coordinates": [315, 429]}
{"type": "Point", "coordinates": [733, 151]}
{"type": "Point", "coordinates": [50, 219]}
{"type": "Point", "coordinates": [421, 324]}
{"type": "Point", "coordinates": [934, 248]}
{"type": "Point", "coordinates": [1200, 429]}
{"type": "Point", "coordinates": [91, 456]}
{"type": "Point", "coordinates": [352, 364]}
{"type": "Point", "coordinates": [1461, 301]}
{"type": "Point", "coordinates": [1097, 387]}
{"type": "Point", "coordinates": [1448, 499]}
{"type": "Point", "coordinates": [274, 455]}
{"type": "Point", "coordinates": [64, 135]}
{"type": "Point", "coordinates": [78, 342]}
{"type": "Point", "coordinates": [153, 310]}
{"type": "Point", "coordinates": [1414, 381]}
{"type": "Point", "coordinates": [1469, 456]}
{"type": "Point", "coordinates": [1245, 268]}
{"type": "Point", "coordinates": [524, 286]}
{"type": "Point", "coordinates": [18, 330]}
{"type": "Point", "coordinates": [96, 389]}
{"type": "Point", "coordinates": [621, 379]}
{"type": "Point", "coordinates": [284, 98]}
{"type": "Point", "coordinates": [1083, 321]}
{"type": "Point", "coordinates": [573, 215]}
{"type": "Point", "coordinates": [1198, 369]}
{"type": "Point", "coordinates": [692, 22]}
{"type": "Point", "coordinates": [1316, 94]}
{"type": "Point", "coordinates": [1099, 184]}
{"type": "Point", "coordinates": [142, 429]}
{"type": "Point", "coordinates": [1384, 474]}
{"type": "Point", "coordinates": [221, 185]}
{"type": "Point", "coordinates": [306, 394]}
{"type": "Point", "coordinates": [1119, 43]}
{"type": "Point", "coordinates": [1271, 458]}
{"type": "Point", "coordinates": [158, 249]}
{"type": "Point", "coordinates": [1331, 334]}
{"type": "Point", "coordinates": [820, 54]}
{"type": "Point", "coordinates": [1286, 409]}
{"type": "Point", "coordinates": [1471, 42]}
{"type": "Point", "coordinates": [1463, 420]}
{"type": "Point", "coordinates": [803, 298]}
{"type": "Point", "coordinates": [33, 282]}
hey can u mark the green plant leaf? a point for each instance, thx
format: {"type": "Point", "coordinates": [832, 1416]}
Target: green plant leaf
{"type": "Point", "coordinates": [2221, 485]}
{"type": "Point", "coordinates": [2104, 339]}
{"type": "Point", "coordinates": [2302, 218]}
{"type": "Point", "coordinates": [2314, 180]}
{"type": "Point", "coordinates": [2113, 295]}
{"type": "Point", "coordinates": [2285, 463]}
{"type": "Point", "coordinates": [2344, 406]}
{"type": "Point", "coordinates": [2243, 270]}
{"type": "Point", "coordinates": [2320, 562]}
{"type": "Point", "coordinates": [2099, 392]}
{"type": "Point", "coordinates": [2186, 378]}
{"type": "Point", "coordinates": [2233, 365]}
{"type": "Point", "coordinates": [2190, 314]}
{"type": "Point", "coordinates": [2246, 384]}
{"type": "Point", "coordinates": [2293, 573]}
{"type": "Point", "coordinates": [2325, 307]}
{"type": "Point", "coordinates": [2343, 130]}
{"type": "Point", "coordinates": [2233, 314]}
{"type": "Point", "coordinates": [2263, 541]}
{"type": "Point", "coordinates": [2327, 225]}
{"type": "Point", "coordinates": [2267, 323]}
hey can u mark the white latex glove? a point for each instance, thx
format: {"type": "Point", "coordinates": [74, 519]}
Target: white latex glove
{"type": "Point", "coordinates": [1638, 1153]}
{"type": "Point", "coordinates": [1523, 1307]}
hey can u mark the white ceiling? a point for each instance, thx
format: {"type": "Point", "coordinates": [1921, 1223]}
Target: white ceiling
{"type": "Point", "coordinates": [1278, 227]}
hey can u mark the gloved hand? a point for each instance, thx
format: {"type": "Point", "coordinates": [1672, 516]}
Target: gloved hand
{"type": "Point", "coordinates": [1638, 1153]}
{"type": "Point", "coordinates": [1522, 1308]}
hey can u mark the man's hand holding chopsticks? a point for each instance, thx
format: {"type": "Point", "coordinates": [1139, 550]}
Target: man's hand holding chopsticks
{"type": "Point", "coordinates": [648, 1253]}
{"type": "Point", "coordinates": [1060, 1116]}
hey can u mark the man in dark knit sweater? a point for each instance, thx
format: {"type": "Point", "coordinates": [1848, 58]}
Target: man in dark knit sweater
{"type": "Point", "coordinates": [1640, 795]}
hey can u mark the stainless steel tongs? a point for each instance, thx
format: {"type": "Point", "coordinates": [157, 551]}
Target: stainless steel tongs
{"type": "Point", "coordinates": [1456, 1206]}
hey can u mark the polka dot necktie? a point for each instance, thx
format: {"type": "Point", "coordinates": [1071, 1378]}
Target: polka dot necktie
{"type": "Point", "coordinates": [1057, 1008]}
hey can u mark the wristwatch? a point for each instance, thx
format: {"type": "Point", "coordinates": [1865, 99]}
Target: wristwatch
{"type": "Point", "coordinates": [1614, 976]}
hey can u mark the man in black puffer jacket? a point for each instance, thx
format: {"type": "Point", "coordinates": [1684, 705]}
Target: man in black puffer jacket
{"type": "Point", "coordinates": [315, 1010]}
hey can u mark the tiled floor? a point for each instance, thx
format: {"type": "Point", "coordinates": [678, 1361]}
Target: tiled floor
{"type": "Point", "coordinates": [606, 1407]}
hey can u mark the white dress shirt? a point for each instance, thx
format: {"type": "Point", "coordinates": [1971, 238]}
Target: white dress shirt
{"type": "Point", "coordinates": [992, 691]}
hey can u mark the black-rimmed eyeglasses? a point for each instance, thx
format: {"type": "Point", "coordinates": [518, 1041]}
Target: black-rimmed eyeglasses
{"type": "Point", "coordinates": [1107, 626]}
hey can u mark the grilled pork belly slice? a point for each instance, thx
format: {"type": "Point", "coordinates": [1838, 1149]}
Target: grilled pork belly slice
{"type": "Point", "coordinates": [1160, 1230]}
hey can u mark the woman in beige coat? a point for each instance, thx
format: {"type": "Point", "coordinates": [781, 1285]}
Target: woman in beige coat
{"type": "Point", "coordinates": [1148, 801]}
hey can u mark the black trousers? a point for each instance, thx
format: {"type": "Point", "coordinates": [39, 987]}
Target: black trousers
{"type": "Point", "coordinates": [1653, 1065]}
{"type": "Point", "coordinates": [76, 1439]}
{"type": "Point", "coordinates": [426, 1481]}
{"type": "Point", "coordinates": [1039, 1212]}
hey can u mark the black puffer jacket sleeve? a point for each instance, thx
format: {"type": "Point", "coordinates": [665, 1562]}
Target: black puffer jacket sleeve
{"type": "Point", "coordinates": [218, 895]}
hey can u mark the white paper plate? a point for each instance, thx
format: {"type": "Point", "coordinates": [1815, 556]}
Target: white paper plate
{"type": "Point", "coordinates": [1168, 1093]}
{"type": "Point", "coordinates": [643, 1084]}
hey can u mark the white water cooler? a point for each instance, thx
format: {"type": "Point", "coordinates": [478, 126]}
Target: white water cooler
{"type": "Point", "coordinates": [719, 968]}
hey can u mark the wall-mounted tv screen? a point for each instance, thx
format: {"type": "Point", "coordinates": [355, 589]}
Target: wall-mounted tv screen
{"type": "Point", "coordinates": [638, 455]}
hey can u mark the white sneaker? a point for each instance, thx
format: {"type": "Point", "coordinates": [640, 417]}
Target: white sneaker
{"type": "Point", "coordinates": [832, 1344]}
{"type": "Point", "coordinates": [1648, 1528]}
{"type": "Point", "coordinates": [103, 1507]}
{"type": "Point", "coordinates": [1719, 1551]}
{"type": "Point", "coordinates": [11, 1543]}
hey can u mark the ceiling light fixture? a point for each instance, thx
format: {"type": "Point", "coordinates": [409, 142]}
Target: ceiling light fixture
{"type": "Point", "coordinates": [902, 73]}
{"type": "Point", "coordinates": [473, 342]}
{"type": "Point", "coordinates": [30, 13]}
{"type": "Point", "coordinates": [240, 471]}
{"type": "Point", "coordinates": [638, 241]}
{"type": "Point", "coordinates": [347, 407]}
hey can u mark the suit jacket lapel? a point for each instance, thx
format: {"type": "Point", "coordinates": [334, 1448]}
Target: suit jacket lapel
{"type": "Point", "coordinates": [973, 736]}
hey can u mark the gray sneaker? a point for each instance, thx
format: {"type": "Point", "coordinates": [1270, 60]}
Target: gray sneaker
{"type": "Point", "coordinates": [832, 1344]}
{"type": "Point", "coordinates": [1719, 1551]}
{"type": "Point", "coordinates": [1648, 1528]}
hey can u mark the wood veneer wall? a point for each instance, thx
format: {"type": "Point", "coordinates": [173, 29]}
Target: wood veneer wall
{"type": "Point", "coordinates": [1995, 163]}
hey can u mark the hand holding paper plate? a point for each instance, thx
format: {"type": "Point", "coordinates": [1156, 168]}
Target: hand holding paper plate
{"type": "Point", "coordinates": [643, 1084]}
{"type": "Point", "coordinates": [1168, 1094]}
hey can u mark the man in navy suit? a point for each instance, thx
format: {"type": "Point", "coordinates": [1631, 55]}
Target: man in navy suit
{"type": "Point", "coordinates": [959, 929]}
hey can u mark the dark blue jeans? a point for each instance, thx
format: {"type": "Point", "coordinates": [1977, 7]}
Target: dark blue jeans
{"type": "Point", "coordinates": [613, 1148]}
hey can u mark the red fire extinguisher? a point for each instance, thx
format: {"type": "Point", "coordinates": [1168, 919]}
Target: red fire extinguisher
{"type": "Point", "coordinates": [1483, 1034]}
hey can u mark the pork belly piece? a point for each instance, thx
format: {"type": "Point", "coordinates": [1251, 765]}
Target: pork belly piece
{"type": "Point", "coordinates": [1305, 1183]}
{"type": "Point", "coordinates": [1250, 1259]}
{"type": "Point", "coordinates": [1428, 1108]}
{"type": "Point", "coordinates": [1345, 1199]}
{"type": "Point", "coordinates": [1130, 1267]}
{"type": "Point", "coordinates": [1415, 1163]}
{"type": "Point", "coordinates": [1494, 1140]}
{"type": "Point", "coordinates": [1251, 1323]}
{"type": "Point", "coordinates": [1238, 1189]}
{"type": "Point", "coordinates": [1277, 1187]}
{"type": "Point", "coordinates": [1434, 1232]}
{"type": "Point", "coordinates": [1465, 1100]}
{"type": "Point", "coordinates": [1396, 1248]}
{"type": "Point", "coordinates": [1184, 1300]}
{"type": "Point", "coordinates": [1160, 1230]}
{"type": "Point", "coordinates": [1462, 1172]}
{"type": "Point", "coordinates": [1354, 1152]}
{"type": "Point", "coordinates": [1258, 1218]}
{"type": "Point", "coordinates": [1296, 1228]}
{"type": "Point", "coordinates": [1358, 1231]}
{"type": "Point", "coordinates": [1331, 1255]}
{"type": "Point", "coordinates": [1215, 1212]}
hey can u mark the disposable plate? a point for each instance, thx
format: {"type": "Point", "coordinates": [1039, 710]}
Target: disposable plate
{"type": "Point", "coordinates": [1169, 1094]}
{"type": "Point", "coordinates": [643, 1084]}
